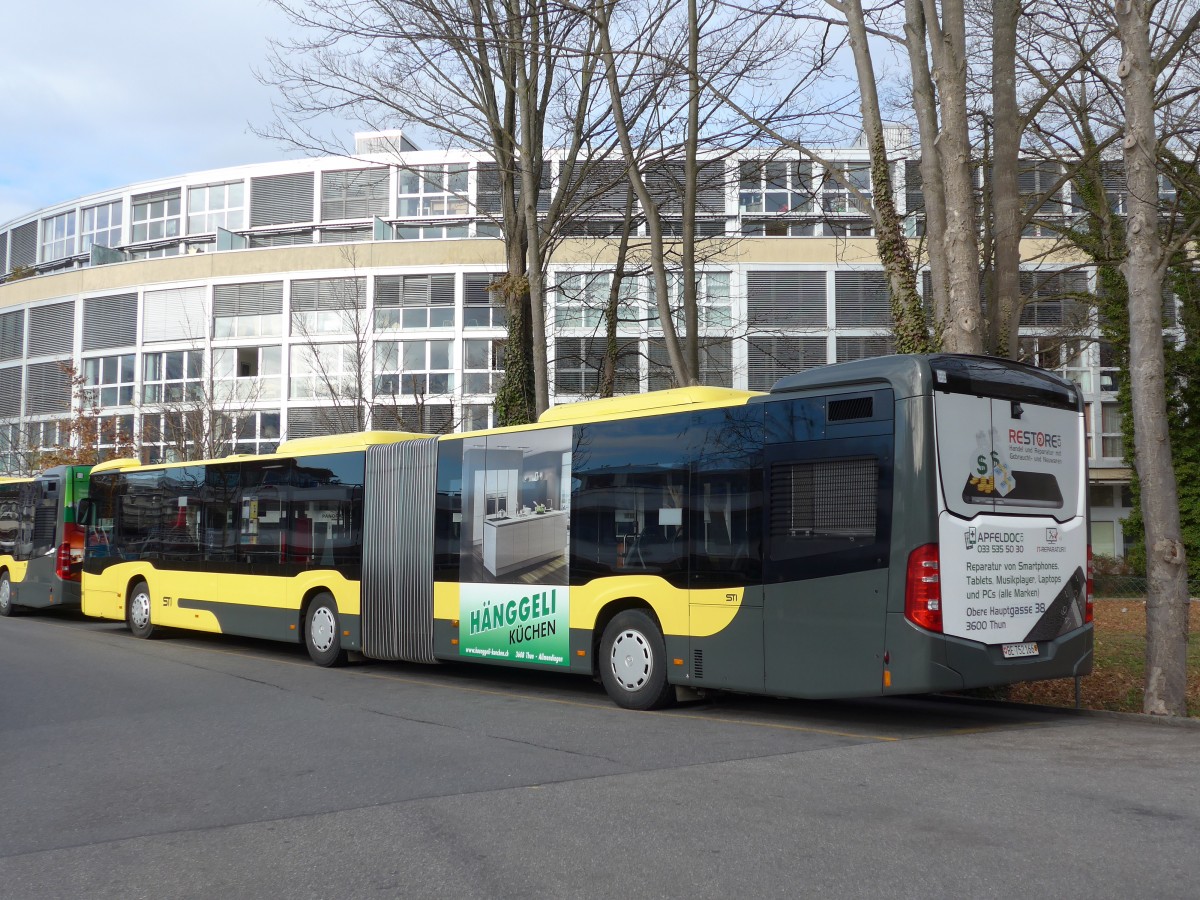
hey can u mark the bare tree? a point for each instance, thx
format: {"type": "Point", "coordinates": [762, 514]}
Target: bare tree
{"type": "Point", "coordinates": [507, 78]}
{"type": "Point", "coordinates": [1150, 45]}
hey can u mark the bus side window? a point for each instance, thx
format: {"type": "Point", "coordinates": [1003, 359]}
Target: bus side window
{"type": "Point", "coordinates": [830, 507]}
{"type": "Point", "coordinates": [222, 485]}
{"type": "Point", "coordinates": [10, 517]}
{"type": "Point", "coordinates": [727, 498]}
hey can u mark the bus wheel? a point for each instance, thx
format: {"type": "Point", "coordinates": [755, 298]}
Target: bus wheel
{"type": "Point", "coordinates": [633, 662]}
{"type": "Point", "coordinates": [137, 611]}
{"type": "Point", "coordinates": [6, 604]}
{"type": "Point", "coordinates": [322, 632]}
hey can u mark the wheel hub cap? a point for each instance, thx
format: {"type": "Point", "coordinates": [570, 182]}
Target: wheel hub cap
{"type": "Point", "coordinates": [322, 629]}
{"type": "Point", "coordinates": [632, 661]}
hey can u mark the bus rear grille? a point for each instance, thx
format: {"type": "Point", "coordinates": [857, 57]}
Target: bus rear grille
{"type": "Point", "coordinates": [698, 663]}
{"type": "Point", "coordinates": [854, 408]}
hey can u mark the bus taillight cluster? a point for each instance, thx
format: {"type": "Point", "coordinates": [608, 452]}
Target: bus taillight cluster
{"type": "Point", "coordinates": [923, 589]}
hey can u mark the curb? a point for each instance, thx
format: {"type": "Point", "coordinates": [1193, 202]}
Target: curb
{"type": "Point", "coordinates": [1113, 715]}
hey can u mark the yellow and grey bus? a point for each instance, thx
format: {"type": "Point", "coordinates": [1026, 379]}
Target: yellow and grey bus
{"type": "Point", "coordinates": [41, 546]}
{"type": "Point", "coordinates": [887, 526]}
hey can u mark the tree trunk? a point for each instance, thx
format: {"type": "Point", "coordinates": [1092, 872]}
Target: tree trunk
{"type": "Point", "coordinates": [1004, 311]}
{"type": "Point", "coordinates": [909, 328]}
{"type": "Point", "coordinates": [691, 318]}
{"type": "Point", "coordinates": [932, 187]}
{"type": "Point", "coordinates": [960, 242]}
{"type": "Point", "coordinates": [654, 229]}
{"type": "Point", "coordinates": [1144, 266]}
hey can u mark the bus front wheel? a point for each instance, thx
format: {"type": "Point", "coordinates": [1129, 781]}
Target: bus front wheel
{"type": "Point", "coordinates": [322, 632]}
{"type": "Point", "coordinates": [633, 662]}
{"type": "Point", "coordinates": [137, 611]}
{"type": "Point", "coordinates": [6, 595]}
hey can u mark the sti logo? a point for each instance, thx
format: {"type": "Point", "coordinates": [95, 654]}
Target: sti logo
{"type": "Point", "coordinates": [972, 538]}
{"type": "Point", "coordinates": [1051, 535]}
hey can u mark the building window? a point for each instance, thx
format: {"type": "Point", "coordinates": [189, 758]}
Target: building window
{"type": "Point", "coordinates": [862, 298]}
{"type": "Point", "coordinates": [578, 363]}
{"type": "Point", "coordinates": [115, 433]}
{"type": "Point", "coordinates": [247, 373]}
{"type": "Point", "coordinates": [1104, 538]}
{"type": "Point", "coordinates": [713, 306]}
{"type": "Point", "coordinates": [772, 196]}
{"type": "Point", "coordinates": [173, 376]}
{"type": "Point", "coordinates": [157, 253]}
{"type": "Point", "coordinates": [426, 191]}
{"type": "Point", "coordinates": [109, 380]}
{"type": "Point", "coordinates": [581, 298]}
{"type": "Point", "coordinates": [46, 435]}
{"type": "Point", "coordinates": [217, 206]}
{"type": "Point", "coordinates": [329, 306]}
{"type": "Point", "coordinates": [429, 232]}
{"type": "Point", "coordinates": [58, 236]}
{"type": "Point", "coordinates": [716, 364]}
{"type": "Point", "coordinates": [476, 416]}
{"type": "Point", "coordinates": [837, 198]}
{"type": "Point", "coordinates": [483, 307]}
{"type": "Point", "coordinates": [252, 432]}
{"type": "Point", "coordinates": [1055, 300]}
{"type": "Point", "coordinates": [166, 437]}
{"type": "Point", "coordinates": [851, 348]}
{"type": "Point", "coordinates": [156, 216]}
{"type": "Point", "coordinates": [1040, 181]}
{"type": "Point", "coordinates": [248, 310]}
{"type": "Point", "coordinates": [779, 299]}
{"type": "Point", "coordinates": [1110, 371]}
{"type": "Point", "coordinates": [354, 194]}
{"type": "Point", "coordinates": [483, 365]}
{"type": "Point", "coordinates": [101, 226]}
{"type": "Point", "coordinates": [414, 301]}
{"type": "Point", "coordinates": [1111, 438]}
{"type": "Point", "coordinates": [771, 357]}
{"type": "Point", "coordinates": [413, 368]}
{"type": "Point", "coordinates": [328, 371]}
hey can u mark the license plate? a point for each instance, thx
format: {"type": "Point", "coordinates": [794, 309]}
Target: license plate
{"type": "Point", "coordinates": [1014, 651]}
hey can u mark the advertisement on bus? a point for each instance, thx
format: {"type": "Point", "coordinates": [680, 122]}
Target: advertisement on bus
{"type": "Point", "coordinates": [1012, 532]}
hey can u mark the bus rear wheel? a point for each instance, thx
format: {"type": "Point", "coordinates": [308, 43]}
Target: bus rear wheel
{"type": "Point", "coordinates": [6, 595]}
{"type": "Point", "coordinates": [633, 662]}
{"type": "Point", "coordinates": [137, 611]}
{"type": "Point", "coordinates": [322, 632]}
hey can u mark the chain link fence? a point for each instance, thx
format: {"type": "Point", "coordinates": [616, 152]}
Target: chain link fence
{"type": "Point", "coordinates": [1128, 587]}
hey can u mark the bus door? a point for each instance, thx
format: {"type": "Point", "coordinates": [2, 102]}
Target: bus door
{"type": "Point", "coordinates": [725, 524]}
{"type": "Point", "coordinates": [828, 529]}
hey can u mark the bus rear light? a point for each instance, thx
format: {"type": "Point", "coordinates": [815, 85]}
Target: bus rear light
{"type": "Point", "coordinates": [62, 563]}
{"type": "Point", "coordinates": [923, 589]}
{"type": "Point", "coordinates": [68, 561]}
{"type": "Point", "coordinates": [1089, 608]}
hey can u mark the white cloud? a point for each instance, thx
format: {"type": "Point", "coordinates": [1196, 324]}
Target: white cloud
{"type": "Point", "coordinates": [99, 96]}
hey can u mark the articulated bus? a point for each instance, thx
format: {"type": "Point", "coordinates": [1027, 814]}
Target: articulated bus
{"type": "Point", "coordinates": [886, 526]}
{"type": "Point", "coordinates": [41, 546]}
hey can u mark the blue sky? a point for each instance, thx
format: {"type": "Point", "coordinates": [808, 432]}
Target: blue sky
{"type": "Point", "coordinates": [98, 96]}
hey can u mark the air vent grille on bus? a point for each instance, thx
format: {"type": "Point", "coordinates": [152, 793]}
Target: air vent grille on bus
{"type": "Point", "coordinates": [698, 663]}
{"type": "Point", "coordinates": [854, 408]}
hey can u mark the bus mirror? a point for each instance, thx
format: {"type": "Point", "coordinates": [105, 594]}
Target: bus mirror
{"type": "Point", "coordinates": [85, 512]}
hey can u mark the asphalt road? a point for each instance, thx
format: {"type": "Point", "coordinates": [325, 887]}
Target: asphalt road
{"type": "Point", "coordinates": [197, 766]}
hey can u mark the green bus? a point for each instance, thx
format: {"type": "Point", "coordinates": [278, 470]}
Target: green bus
{"type": "Point", "coordinates": [41, 546]}
{"type": "Point", "coordinates": [887, 526]}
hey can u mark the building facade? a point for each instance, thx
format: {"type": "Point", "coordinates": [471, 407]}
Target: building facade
{"type": "Point", "coordinates": [299, 297]}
